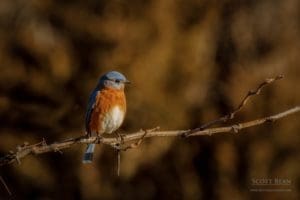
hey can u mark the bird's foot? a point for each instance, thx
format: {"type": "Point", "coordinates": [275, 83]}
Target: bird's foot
{"type": "Point", "coordinates": [98, 139]}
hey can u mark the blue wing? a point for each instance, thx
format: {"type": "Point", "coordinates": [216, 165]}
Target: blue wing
{"type": "Point", "coordinates": [90, 108]}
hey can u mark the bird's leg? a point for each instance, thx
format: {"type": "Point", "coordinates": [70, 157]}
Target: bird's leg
{"type": "Point", "coordinates": [121, 138]}
{"type": "Point", "coordinates": [120, 143]}
{"type": "Point", "coordinates": [98, 138]}
{"type": "Point", "coordinates": [87, 134]}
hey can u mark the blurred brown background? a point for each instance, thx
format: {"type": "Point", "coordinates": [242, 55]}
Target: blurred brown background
{"type": "Point", "coordinates": [189, 62]}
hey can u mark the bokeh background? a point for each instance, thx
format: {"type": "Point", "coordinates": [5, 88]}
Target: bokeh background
{"type": "Point", "coordinates": [189, 62]}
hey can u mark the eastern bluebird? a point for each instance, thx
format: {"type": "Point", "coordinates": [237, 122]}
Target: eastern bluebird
{"type": "Point", "coordinates": [106, 108]}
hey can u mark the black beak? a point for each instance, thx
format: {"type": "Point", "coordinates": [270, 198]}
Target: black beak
{"type": "Point", "coordinates": [127, 81]}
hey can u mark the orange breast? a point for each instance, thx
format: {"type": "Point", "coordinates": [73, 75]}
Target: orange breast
{"type": "Point", "coordinates": [105, 101]}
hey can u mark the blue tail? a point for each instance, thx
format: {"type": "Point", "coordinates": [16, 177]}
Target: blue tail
{"type": "Point", "coordinates": [88, 155]}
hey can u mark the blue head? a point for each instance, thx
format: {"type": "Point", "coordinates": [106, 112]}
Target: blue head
{"type": "Point", "coordinates": [113, 79]}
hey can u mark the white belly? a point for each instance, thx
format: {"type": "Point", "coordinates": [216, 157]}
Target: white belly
{"type": "Point", "coordinates": [113, 120]}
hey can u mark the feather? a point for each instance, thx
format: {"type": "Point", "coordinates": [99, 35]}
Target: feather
{"type": "Point", "coordinates": [89, 152]}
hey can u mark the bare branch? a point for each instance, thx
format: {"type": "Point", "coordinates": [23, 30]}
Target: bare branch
{"type": "Point", "coordinates": [237, 127]}
{"type": "Point", "coordinates": [242, 104]}
{"type": "Point", "coordinates": [42, 147]}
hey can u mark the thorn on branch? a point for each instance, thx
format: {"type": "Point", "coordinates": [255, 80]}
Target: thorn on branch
{"type": "Point", "coordinates": [231, 116]}
{"type": "Point", "coordinates": [209, 133]}
{"type": "Point", "coordinates": [184, 134]}
{"type": "Point", "coordinates": [235, 128]}
{"type": "Point", "coordinates": [44, 143]}
{"type": "Point", "coordinates": [189, 132]}
{"type": "Point", "coordinates": [18, 159]}
{"type": "Point", "coordinates": [56, 149]}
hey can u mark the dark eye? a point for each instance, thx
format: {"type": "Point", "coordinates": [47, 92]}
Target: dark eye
{"type": "Point", "coordinates": [117, 81]}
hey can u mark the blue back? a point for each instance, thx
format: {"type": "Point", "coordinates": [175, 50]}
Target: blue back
{"type": "Point", "coordinates": [90, 108]}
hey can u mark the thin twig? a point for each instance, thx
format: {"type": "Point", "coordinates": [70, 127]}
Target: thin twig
{"type": "Point", "coordinates": [242, 104]}
{"type": "Point", "coordinates": [5, 185]}
{"type": "Point", "coordinates": [119, 162]}
{"type": "Point", "coordinates": [119, 147]}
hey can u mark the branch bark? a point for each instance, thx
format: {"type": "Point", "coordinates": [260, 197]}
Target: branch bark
{"type": "Point", "coordinates": [121, 143]}
{"type": "Point", "coordinates": [42, 147]}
